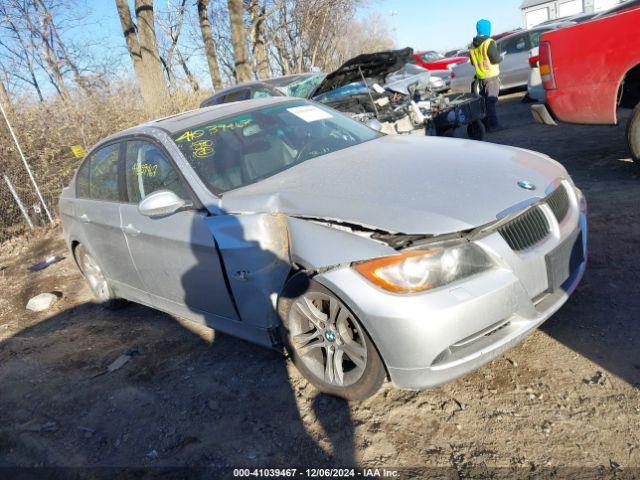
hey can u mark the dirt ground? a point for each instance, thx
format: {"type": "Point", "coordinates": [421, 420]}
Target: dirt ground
{"type": "Point", "coordinates": [565, 402]}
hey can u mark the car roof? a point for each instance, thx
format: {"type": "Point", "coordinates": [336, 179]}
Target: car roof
{"type": "Point", "coordinates": [182, 121]}
{"type": "Point", "coordinates": [278, 81]}
{"type": "Point", "coordinates": [234, 88]}
{"type": "Point", "coordinates": [538, 28]}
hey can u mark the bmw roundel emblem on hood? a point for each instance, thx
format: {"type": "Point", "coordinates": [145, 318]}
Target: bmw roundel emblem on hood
{"type": "Point", "coordinates": [526, 185]}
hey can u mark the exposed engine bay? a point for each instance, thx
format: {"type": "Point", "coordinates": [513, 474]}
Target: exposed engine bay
{"type": "Point", "coordinates": [402, 97]}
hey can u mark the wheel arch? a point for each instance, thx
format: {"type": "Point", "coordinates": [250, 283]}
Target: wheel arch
{"type": "Point", "coordinates": [354, 310]}
{"type": "Point", "coordinates": [74, 244]}
{"type": "Point", "coordinates": [629, 88]}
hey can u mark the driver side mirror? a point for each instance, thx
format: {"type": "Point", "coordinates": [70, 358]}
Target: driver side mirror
{"type": "Point", "coordinates": [161, 203]}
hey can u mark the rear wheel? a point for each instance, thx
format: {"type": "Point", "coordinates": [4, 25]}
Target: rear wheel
{"type": "Point", "coordinates": [476, 130]}
{"type": "Point", "coordinates": [633, 133]}
{"type": "Point", "coordinates": [98, 283]}
{"type": "Point", "coordinates": [327, 343]}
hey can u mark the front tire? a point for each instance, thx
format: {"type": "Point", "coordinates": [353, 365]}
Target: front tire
{"type": "Point", "coordinates": [96, 279]}
{"type": "Point", "coordinates": [327, 343]}
{"type": "Point", "coordinates": [633, 133]}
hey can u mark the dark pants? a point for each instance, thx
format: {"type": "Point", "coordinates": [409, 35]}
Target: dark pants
{"type": "Point", "coordinates": [490, 89]}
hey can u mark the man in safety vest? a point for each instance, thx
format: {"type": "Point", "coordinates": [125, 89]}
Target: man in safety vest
{"type": "Point", "coordinates": [486, 59]}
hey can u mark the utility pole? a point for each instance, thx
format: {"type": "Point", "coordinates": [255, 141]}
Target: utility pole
{"type": "Point", "coordinates": [26, 165]}
{"type": "Point", "coordinates": [394, 27]}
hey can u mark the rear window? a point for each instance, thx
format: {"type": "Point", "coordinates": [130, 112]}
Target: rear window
{"type": "Point", "coordinates": [103, 174]}
{"type": "Point", "coordinates": [514, 44]}
{"type": "Point", "coordinates": [240, 150]}
{"type": "Point", "coordinates": [82, 180]}
{"type": "Point", "coordinates": [535, 37]}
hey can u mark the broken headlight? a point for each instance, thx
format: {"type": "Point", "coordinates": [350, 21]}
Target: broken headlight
{"type": "Point", "coordinates": [431, 267]}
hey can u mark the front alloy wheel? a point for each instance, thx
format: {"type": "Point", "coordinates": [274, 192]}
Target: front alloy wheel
{"type": "Point", "coordinates": [329, 346]}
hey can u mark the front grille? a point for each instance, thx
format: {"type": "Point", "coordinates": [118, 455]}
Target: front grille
{"type": "Point", "coordinates": [558, 201]}
{"type": "Point", "coordinates": [525, 230]}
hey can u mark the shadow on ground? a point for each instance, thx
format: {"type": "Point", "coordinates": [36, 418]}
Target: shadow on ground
{"type": "Point", "coordinates": [600, 321]}
{"type": "Point", "coordinates": [183, 399]}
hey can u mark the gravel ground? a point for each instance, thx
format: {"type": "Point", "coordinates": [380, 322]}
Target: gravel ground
{"type": "Point", "coordinates": [565, 402]}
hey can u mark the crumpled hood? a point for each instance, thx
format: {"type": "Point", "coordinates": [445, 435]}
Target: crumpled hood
{"type": "Point", "coordinates": [370, 65]}
{"type": "Point", "coordinates": [404, 184]}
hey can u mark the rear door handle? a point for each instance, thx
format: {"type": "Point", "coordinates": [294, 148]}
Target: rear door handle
{"type": "Point", "coordinates": [84, 218]}
{"type": "Point", "coordinates": [131, 230]}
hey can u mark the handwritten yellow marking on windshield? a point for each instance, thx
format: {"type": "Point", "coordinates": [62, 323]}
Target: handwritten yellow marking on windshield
{"type": "Point", "coordinates": [144, 169]}
{"type": "Point", "coordinates": [202, 148]}
{"type": "Point", "coordinates": [213, 129]}
{"type": "Point", "coordinates": [190, 135]}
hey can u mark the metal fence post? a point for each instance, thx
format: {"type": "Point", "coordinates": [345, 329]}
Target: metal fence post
{"type": "Point", "coordinates": [17, 199]}
{"type": "Point", "coordinates": [26, 165]}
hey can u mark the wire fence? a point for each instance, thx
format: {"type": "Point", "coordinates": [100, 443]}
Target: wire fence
{"type": "Point", "coordinates": [42, 144]}
{"type": "Point", "coordinates": [27, 197]}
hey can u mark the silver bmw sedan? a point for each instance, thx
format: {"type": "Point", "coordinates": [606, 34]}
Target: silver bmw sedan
{"type": "Point", "coordinates": [364, 256]}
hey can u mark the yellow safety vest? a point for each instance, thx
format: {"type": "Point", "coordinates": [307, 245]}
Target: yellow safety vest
{"type": "Point", "coordinates": [480, 59]}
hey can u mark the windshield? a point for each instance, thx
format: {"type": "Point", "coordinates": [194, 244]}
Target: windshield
{"type": "Point", "coordinates": [340, 93]}
{"type": "Point", "coordinates": [240, 150]}
{"type": "Point", "coordinates": [301, 87]}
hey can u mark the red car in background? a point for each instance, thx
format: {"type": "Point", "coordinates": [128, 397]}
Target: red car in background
{"type": "Point", "coordinates": [590, 70]}
{"type": "Point", "coordinates": [432, 60]}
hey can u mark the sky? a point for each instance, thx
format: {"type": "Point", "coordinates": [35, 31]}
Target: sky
{"type": "Point", "coordinates": [445, 24]}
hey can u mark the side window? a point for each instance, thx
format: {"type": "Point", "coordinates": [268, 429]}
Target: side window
{"type": "Point", "coordinates": [514, 45]}
{"type": "Point", "coordinates": [147, 170]}
{"type": "Point", "coordinates": [242, 94]}
{"type": "Point", "coordinates": [535, 38]}
{"type": "Point", "coordinates": [82, 180]}
{"type": "Point", "coordinates": [261, 93]}
{"type": "Point", "coordinates": [103, 174]}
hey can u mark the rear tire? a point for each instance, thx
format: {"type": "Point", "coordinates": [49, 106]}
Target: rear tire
{"type": "Point", "coordinates": [475, 87]}
{"type": "Point", "coordinates": [476, 130]}
{"type": "Point", "coordinates": [98, 283]}
{"type": "Point", "coordinates": [327, 343]}
{"type": "Point", "coordinates": [633, 133]}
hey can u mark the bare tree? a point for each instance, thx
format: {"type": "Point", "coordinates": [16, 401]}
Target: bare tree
{"type": "Point", "coordinates": [4, 98]}
{"type": "Point", "coordinates": [257, 10]}
{"type": "Point", "coordinates": [143, 49]}
{"type": "Point", "coordinates": [171, 24]}
{"type": "Point", "coordinates": [17, 58]}
{"type": "Point", "coordinates": [209, 43]}
{"type": "Point", "coordinates": [239, 40]}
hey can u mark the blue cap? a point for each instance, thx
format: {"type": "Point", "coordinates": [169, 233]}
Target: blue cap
{"type": "Point", "coordinates": [483, 27]}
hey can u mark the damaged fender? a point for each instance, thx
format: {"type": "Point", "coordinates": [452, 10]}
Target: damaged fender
{"type": "Point", "coordinates": [316, 246]}
{"type": "Point", "coordinates": [254, 249]}
{"type": "Point", "coordinates": [258, 252]}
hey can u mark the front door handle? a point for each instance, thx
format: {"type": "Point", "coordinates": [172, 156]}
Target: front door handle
{"type": "Point", "coordinates": [84, 218]}
{"type": "Point", "coordinates": [131, 230]}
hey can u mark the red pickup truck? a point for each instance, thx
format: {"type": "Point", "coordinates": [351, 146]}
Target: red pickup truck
{"type": "Point", "coordinates": [590, 70]}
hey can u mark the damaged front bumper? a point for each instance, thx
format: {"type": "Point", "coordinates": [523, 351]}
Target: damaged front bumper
{"type": "Point", "coordinates": [430, 338]}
